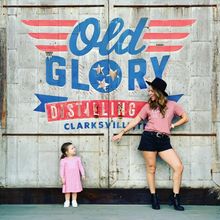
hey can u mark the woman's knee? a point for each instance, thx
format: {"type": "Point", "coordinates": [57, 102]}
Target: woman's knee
{"type": "Point", "coordinates": [179, 168]}
{"type": "Point", "coordinates": [151, 168]}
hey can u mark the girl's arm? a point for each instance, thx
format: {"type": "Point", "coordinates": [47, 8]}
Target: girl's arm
{"type": "Point", "coordinates": [183, 120]}
{"type": "Point", "coordinates": [131, 125]}
{"type": "Point", "coordinates": [62, 171]}
{"type": "Point", "coordinates": [81, 169]}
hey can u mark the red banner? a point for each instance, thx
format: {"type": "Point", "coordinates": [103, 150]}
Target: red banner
{"type": "Point", "coordinates": [93, 109]}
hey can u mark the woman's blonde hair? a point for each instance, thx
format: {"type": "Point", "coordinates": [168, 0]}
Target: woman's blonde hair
{"type": "Point", "coordinates": [160, 101]}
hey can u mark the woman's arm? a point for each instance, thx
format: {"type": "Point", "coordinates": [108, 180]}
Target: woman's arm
{"type": "Point", "coordinates": [131, 125]}
{"type": "Point", "coordinates": [184, 119]}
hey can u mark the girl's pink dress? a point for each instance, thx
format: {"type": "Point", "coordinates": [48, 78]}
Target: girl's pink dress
{"type": "Point", "coordinates": [70, 170]}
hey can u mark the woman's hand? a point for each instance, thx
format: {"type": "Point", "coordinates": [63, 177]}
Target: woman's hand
{"type": "Point", "coordinates": [172, 126]}
{"type": "Point", "coordinates": [184, 119]}
{"type": "Point", "coordinates": [83, 177]}
{"type": "Point", "coordinates": [131, 125]}
{"type": "Point", "coordinates": [117, 137]}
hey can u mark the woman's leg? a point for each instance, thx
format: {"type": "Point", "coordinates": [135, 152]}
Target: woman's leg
{"type": "Point", "coordinates": [170, 157]}
{"type": "Point", "coordinates": [150, 160]}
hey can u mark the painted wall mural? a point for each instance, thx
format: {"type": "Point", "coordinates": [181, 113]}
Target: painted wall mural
{"type": "Point", "coordinates": [105, 75]}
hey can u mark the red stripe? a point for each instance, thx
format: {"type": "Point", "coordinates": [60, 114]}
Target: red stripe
{"type": "Point", "coordinates": [68, 23]}
{"type": "Point", "coordinates": [51, 48]}
{"type": "Point", "coordinates": [163, 48]}
{"type": "Point", "coordinates": [59, 36]}
{"type": "Point", "coordinates": [165, 35]}
{"type": "Point", "coordinates": [174, 23]}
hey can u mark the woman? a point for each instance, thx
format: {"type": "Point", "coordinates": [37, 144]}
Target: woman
{"type": "Point", "coordinates": [155, 139]}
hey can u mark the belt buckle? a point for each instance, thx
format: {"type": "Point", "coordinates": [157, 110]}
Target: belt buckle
{"type": "Point", "coordinates": [159, 135]}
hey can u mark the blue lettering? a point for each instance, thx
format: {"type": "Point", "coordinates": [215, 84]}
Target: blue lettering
{"type": "Point", "coordinates": [135, 35]}
{"type": "Point", "coordinates": [109, 35]}
{"type": "Point", "coordinates": [101, 124]}
{"type": "Point", "coordinates": [159, 68]}
{"type": "Point", "coordinates": [113, 124]}
{"type": "Point", "coordinates": [79, 126]}
{"type": "Point", "coordinates": [72, 126]}
{"type": "Point", "coordinates": [136, 75]}
{"type": "Point", "coordinates": [123, 125]}
{"type": "Point", "coordinates": [75, 77]}
{"type": "Point", "coordinates": [107, 124]}
{"type": "Point", "coordinates": [81, 29]}
{"type": "Point", "coordinates": [115, 26]}
{"type": "Point", "coordinates": [86, 125]}
{"type": "Point", "coordinates": [93, 125]}
{"type": "Point", "coordinates": [61, 73]}
{"type": "Point", "coordinates": [66, 126]}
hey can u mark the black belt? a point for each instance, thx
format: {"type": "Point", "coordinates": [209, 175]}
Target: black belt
{"type": "Point", "coordinates": [157, 134]}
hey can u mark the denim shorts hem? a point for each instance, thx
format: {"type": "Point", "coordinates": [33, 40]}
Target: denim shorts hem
{"type": "Point", "coordinates": [155, 150]}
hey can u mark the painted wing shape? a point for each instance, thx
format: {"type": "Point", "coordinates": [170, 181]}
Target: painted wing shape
{"type": "Point", "coordinates": [157, 41]}
{"type": "Point", "coordinates": [47, 36]}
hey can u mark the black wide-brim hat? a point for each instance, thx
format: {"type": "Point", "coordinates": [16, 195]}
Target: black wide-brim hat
{"type": "Point", "coordinates": [158, 84]}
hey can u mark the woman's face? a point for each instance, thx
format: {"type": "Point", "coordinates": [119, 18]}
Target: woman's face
{"type": "Point", "coordinates": [151, 93]}
{"type": "Point", "coordinates": [71, 150]}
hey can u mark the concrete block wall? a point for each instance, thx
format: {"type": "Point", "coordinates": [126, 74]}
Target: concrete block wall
{"type": "Point", "coordinates": [30, 145]}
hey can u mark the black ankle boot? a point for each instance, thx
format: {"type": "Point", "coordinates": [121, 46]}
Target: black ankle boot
{"type": "Point", "coordinates": [174, 200]}
{"type": "Point", "coordinates": [154, 201]}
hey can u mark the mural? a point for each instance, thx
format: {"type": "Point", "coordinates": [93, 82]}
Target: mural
{"type": "Point", "coordinates": [105, 75]}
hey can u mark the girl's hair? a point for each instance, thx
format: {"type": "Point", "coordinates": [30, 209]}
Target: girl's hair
{"type": "Point", "coordinates": [64, 149]}
{"type": "Point", "coordinates": [160, 102]}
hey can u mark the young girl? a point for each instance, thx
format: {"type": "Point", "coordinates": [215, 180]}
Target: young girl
{"type": "Point", "coordinates": [70, 170]}
{"type": "Point", "coordinates": [159, 112]}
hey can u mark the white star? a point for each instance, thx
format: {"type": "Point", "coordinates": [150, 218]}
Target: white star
{"type": "Point", "coordinates": [99, 69]}
{"type": "Point", "coordinates": [102, 84]}
{"type": "Point", "coordinates": [113, 74]}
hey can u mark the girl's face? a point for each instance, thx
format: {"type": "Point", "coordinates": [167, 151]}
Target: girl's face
{"type": "Point", "coordinates": [71, 150]}
{"type": "Point", "coordinates": [151, 93]}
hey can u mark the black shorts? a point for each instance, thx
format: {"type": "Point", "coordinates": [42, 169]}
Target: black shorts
{"type": "Point", "coordinates": [154, 141]}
